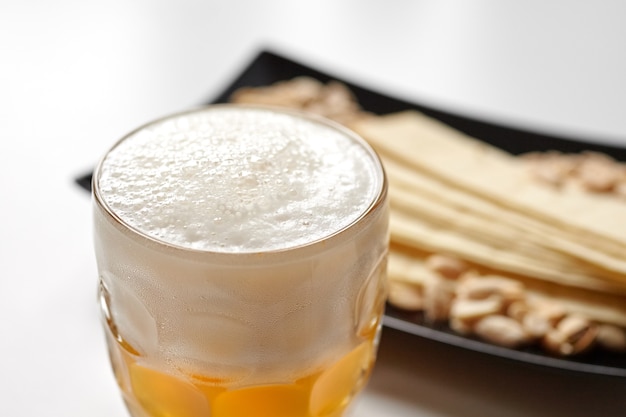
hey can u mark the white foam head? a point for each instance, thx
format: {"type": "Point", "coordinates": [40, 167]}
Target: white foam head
{"type": "Point", "coordinates": [239, 179]}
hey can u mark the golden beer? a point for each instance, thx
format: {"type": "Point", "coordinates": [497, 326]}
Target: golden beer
{"type": "Point", "coordinates": [241, 255]}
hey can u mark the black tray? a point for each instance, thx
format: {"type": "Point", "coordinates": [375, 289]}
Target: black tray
{"type": "Point", "coordinates": [268, 67]}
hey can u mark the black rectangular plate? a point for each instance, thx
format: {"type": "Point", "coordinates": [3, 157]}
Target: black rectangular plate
{"type": "Point", "coordinates": [269, 67]}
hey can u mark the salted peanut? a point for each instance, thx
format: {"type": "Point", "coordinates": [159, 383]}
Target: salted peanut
{"type": "Point", "coordinates": [405, 296]}
{"type": "Point", "coordinates": [551, 311]}
{"type": "Point", "coordinates": [550, 173]}
{"type": "Point", "coordinates": [536, 325]}
{"type": "Point", "coordinates": [438, 296]}
{"type": "Point", "coordinates": [479, 287]}
{"type": "Point", "coordinates": [294, 93]}
{"type": "Point", "coordinates": [468, 310]}
{"type": "Point", "coordinates": [448, 267]}
{"type": "Point", "coordinates": [517, 310]}
{"type": "Point", "coordinates": [460, 326]}
{"type": "Point", "coordinates": [552, 168]}
{"type": "Point", "coordinates": [338, 97]}
{"type": "Point", "coordinates": [598, 172]}
{"type": "Point", "coordinates": [620, 189]}
{"type": "Point", "coordinates": [501, 330]}
{"type": "Point", "coordinates": [573, 335]}
{"type": "Point", "coordinates": [335, 101]}
{"type": "Point", "coordinates": [305, 88]}
{"type": "Point", "coordinates": [552, 342]}
{"type": "Point", "coordinates": [611, 337]}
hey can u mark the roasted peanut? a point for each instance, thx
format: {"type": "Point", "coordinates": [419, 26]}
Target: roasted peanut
{"type": "Point", "coordinates": [573, 335]}
{"type": "Point", "coordinates": [611, 337]}
{"type": "Point", "coordinates": [597, 172]}
{"type": "Point", "coordinates": [478, 287]}
{"type": "Point", "coordinates": [536, 325]}
{"type": "Point", "coordinates": [553, 168]}
{"type": "Point", "coordinates": [465, 309]}
{"type": "Point", "coordinates": [620, 189]}
{"type": "Point", "coordinates": [549, 310]}
{"type": "Point", "coordinates": [460, 326]}
{"type": "Point", "coordinates": [517, 310]}
{"type": "Point", "coordinates": [447, 266]}
{"type": "Point", "coordinates": [501, 330]}
{"type": "Point", "coordinates": [405, 296]}
{"type": "Point", "coordinates": [438, 296]}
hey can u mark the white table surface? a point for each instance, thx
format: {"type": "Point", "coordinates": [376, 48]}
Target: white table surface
{"type": "Point", "coordinates": [77, 75]}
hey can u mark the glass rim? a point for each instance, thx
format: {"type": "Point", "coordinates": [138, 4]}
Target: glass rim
{"type": "Point", "coordinates": [376, 203]}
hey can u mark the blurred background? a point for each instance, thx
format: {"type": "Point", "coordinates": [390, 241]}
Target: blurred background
{"type": "Point", "coordinates": [75, 76]}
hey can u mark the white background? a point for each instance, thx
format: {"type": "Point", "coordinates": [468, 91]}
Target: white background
{"type": "Point", "coordinates": [77, 75]}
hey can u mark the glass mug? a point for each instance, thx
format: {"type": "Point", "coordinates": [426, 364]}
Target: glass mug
{"type": "Point", "coordinates": [241, 255]}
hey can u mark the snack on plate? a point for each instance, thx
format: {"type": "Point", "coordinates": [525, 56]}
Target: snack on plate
{"type": "Point", "coordinates": [591, 171]}
{"type": "Point", "coordinates": [517, 251]}
{"type": "Point", "coordinates": [332, 100]}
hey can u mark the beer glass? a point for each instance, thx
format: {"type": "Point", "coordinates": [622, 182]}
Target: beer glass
{"type": "Point", "coordinates": [241, 258]}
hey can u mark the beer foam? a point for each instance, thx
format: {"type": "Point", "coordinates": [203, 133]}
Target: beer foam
{"type": "Point", "coordinates": [238, 179]}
